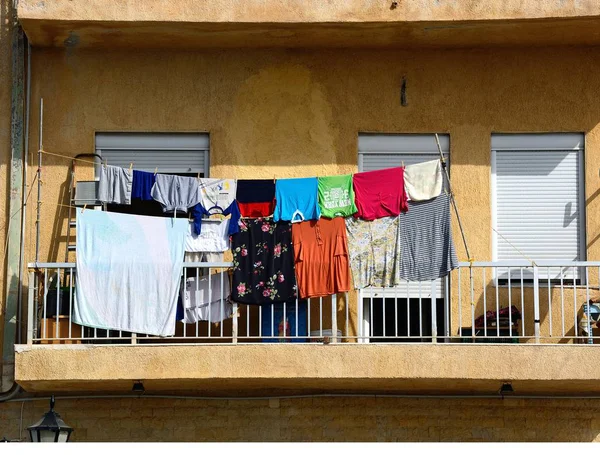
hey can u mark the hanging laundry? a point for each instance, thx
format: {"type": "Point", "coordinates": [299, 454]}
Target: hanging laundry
{"type": "Point", "coordinates": [380, 193]}
{"type": "Point", "coordinates": [374, 250]}
{"type": "Point", "coordinates": [321, 257]}
{"type": "Point", "coordinates": [198, 212]}
{"type": "Point", "coordinates": [256, 198]}
{"type": "Point", "coordinates": [427, 248]}
{"type": "Point", "coordinates": [423, 181]}
{"type": "Point", "coordinates": [336, 196]}
{"type": "Point", "coordinates": [214, 237]}
{"type": "Point", "coordinates": [296, 200]}
{"type": "Point", "coordinates": [263, 262]}
{"type": "Point", "coordinates": [206, 299]}
{"type": "Point", "coordinates": [141, 188]}
{"type": "Point", "coordinates": [114, 186]}
{"type": "Point", "coordinates": [175, 192]}
{"type": "Point", "coordinates": [217, 193]}
{"type": "Point", "coordinates": [201, 257]}
{"type": "Point", "coordinates": [128, 271]}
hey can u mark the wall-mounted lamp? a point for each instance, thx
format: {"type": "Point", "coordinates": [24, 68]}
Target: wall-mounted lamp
{"type": "Point", "coordinates": [51, 428]}
{"type": "Point", "coordinates": [506, 389]}
{"type": "Point", "coordinates": [138, 387]}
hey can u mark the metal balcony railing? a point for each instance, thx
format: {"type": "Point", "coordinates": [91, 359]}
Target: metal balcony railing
{"type": "Point", "coordinates": [480, 302]}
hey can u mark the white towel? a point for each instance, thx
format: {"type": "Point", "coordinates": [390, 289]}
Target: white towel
{"type": "Point", "coordinates": [128, 271]}
{"type": "Point", "coordinates": [423, 181]}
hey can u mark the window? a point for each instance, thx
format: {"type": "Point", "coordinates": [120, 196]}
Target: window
{"type": "Point", "coordinates": [185, 154]}
{"type": "Point", "coordinates": [404, 311]}
{"type": "Point", "coordinates": [537, 197]}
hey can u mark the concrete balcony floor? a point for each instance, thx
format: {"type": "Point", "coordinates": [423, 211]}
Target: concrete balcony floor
{"type": "Point", "coordinates": [238, 370]}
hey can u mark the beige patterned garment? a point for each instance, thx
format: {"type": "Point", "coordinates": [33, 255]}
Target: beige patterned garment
{"type": "Point", "coordinates": [374, 250]}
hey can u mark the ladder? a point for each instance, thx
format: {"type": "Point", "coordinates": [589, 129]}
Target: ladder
{"type": "Point", "coordinates": [81, 193]}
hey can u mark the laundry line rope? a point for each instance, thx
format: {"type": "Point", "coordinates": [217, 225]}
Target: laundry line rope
{"type": "Point", "coordinates": [68, 157]}
{"type": "Point", "coordinates": [515, 248]}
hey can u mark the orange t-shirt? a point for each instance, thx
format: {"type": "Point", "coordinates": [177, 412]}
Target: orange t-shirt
{"type": "Point", "coordinates": [321, 257]}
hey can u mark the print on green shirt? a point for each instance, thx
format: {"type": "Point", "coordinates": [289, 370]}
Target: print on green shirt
{"type": "Point", "coordinates": [336, 196]}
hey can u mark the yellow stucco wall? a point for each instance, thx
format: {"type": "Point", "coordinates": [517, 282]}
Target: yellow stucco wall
{"type": "Point", "coordinates": [273, 11]}
{"type": "Point", "coordinates": [294, 113]}
{"type": "Point", "coordinates": [315, 419]}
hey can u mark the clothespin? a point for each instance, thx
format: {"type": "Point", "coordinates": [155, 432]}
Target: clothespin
{"type": "Point", "coordinates": [274, 179]}
{"type": "Point", "coordinates": [198, 175]}
{"type": "Point", "coordinates": [84, 207]}
{"type": "Point", "coordinates": [155, 171]}
{"type": "Point", "coordinates": [403, 163]}
{"type": "Point", "coordinates": [130, 167]}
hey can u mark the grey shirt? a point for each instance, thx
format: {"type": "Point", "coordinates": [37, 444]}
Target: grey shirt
{"type": "Point", "coordinates": [175, 192]}
{"type": "Point", "coordinates": [427, 249]}
{"type": "Point", "coordinates": [114, 186]}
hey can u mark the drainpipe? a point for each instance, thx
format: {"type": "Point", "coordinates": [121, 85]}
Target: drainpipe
{"type": "Point", "coordinates": [14, 214]}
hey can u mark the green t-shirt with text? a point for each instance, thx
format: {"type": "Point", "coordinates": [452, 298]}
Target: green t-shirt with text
{"type": "Point", "coordinates": [336, 196]}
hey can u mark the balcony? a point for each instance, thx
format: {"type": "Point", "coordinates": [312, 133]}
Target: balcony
{"type": "Point", "coordinates": [458, 336]}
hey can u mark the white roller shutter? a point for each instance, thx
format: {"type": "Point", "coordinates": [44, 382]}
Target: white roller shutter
{"type": "Point", "coordinates": [171, 153]}
{"type": "Point", "coordinates": [380, 151]}
{"type": "Point", "coordinates": [538, 197]}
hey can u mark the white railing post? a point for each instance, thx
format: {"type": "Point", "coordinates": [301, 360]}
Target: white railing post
{"type": "Point", "coordinates": [234, 324]}
{"type": "Point", "coordinates": [31, 314]}
{"type": "Point", "coordinates": [334, 318]}
{"type": "Point", "coordinates": [433, 312]}
{"type": "Point", "coordinates": [536, 302]}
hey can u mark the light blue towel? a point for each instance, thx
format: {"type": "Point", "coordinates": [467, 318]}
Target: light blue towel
{"type": "Point", "coordinates": [128, 271]}
{"type": "Point", "coordinates": [297, 200]}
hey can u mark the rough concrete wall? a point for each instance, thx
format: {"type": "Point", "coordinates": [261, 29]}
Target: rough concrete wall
{"type": "Point", "coordinates": [298, 113]}
{"type": "Point", "coordinates": [316, 419]}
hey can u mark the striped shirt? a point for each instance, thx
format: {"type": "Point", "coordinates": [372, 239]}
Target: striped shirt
{"type": "Point", "coordinates": [426, 245]}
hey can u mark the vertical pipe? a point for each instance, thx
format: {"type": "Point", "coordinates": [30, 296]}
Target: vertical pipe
{"type": "Point", "coordinates": [433, 312]}
{"type": "Point", "coordinates": [522, 306]}
{"type": "Point", "coordinates": [484, 303]}
{"type": "Point", "coordinates": [57, 301]}
{"type": "Point", "coordinates": [587, 306]}
{"type": "Point", "coordinates": [459, 304]}
{"type": "Point", "coordinates": [24, 194]}
{"type": "Point", "coordinates": [70, 299]}
{"type": "Point", "coordinates": [562, 299]}
{"type": "Point", "coordinates": [447, 308]}
{"type": "Point", "coordinates": [536, 302]}
{"type": "Point", "coordinates": [359, 310]}
{"type": "Point", "coordinates": [15, 200]}
{"type": "Point", "coordinates": [30, 308]}
{"type": "Point", "coordinates": [39, 182]}
{"type": "Point", "coordinates": [509, 304]}
{"type": "Point", "coordinates": [549, 300]}
{"type": "Point", "coordinates": [334, 318]}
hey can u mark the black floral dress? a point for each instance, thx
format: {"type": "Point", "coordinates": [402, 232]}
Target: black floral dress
{"type": "Point", "coordinates": [263, 262]}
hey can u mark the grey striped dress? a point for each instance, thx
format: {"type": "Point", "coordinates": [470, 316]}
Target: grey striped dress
{"type": "Point", "coordinates": [426, 245]}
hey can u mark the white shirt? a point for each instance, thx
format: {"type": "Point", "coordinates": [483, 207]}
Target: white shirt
{"type": "Point", "coordinates": [212, 239]}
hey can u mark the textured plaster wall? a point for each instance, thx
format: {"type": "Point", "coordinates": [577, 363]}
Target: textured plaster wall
{"type": "Point", "coordinates": [315, 419]}
{"type": "Point", "coordinates": [307, 11]}
{"type": "Point", "coordinates": [294, 113]}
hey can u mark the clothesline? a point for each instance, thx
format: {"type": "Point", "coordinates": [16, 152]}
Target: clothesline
{"type": "Point", "coordinates": [442, 161]}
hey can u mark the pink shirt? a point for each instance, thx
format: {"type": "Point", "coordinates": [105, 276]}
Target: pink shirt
{"type": "Point", "coordinates": [380, 193]}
